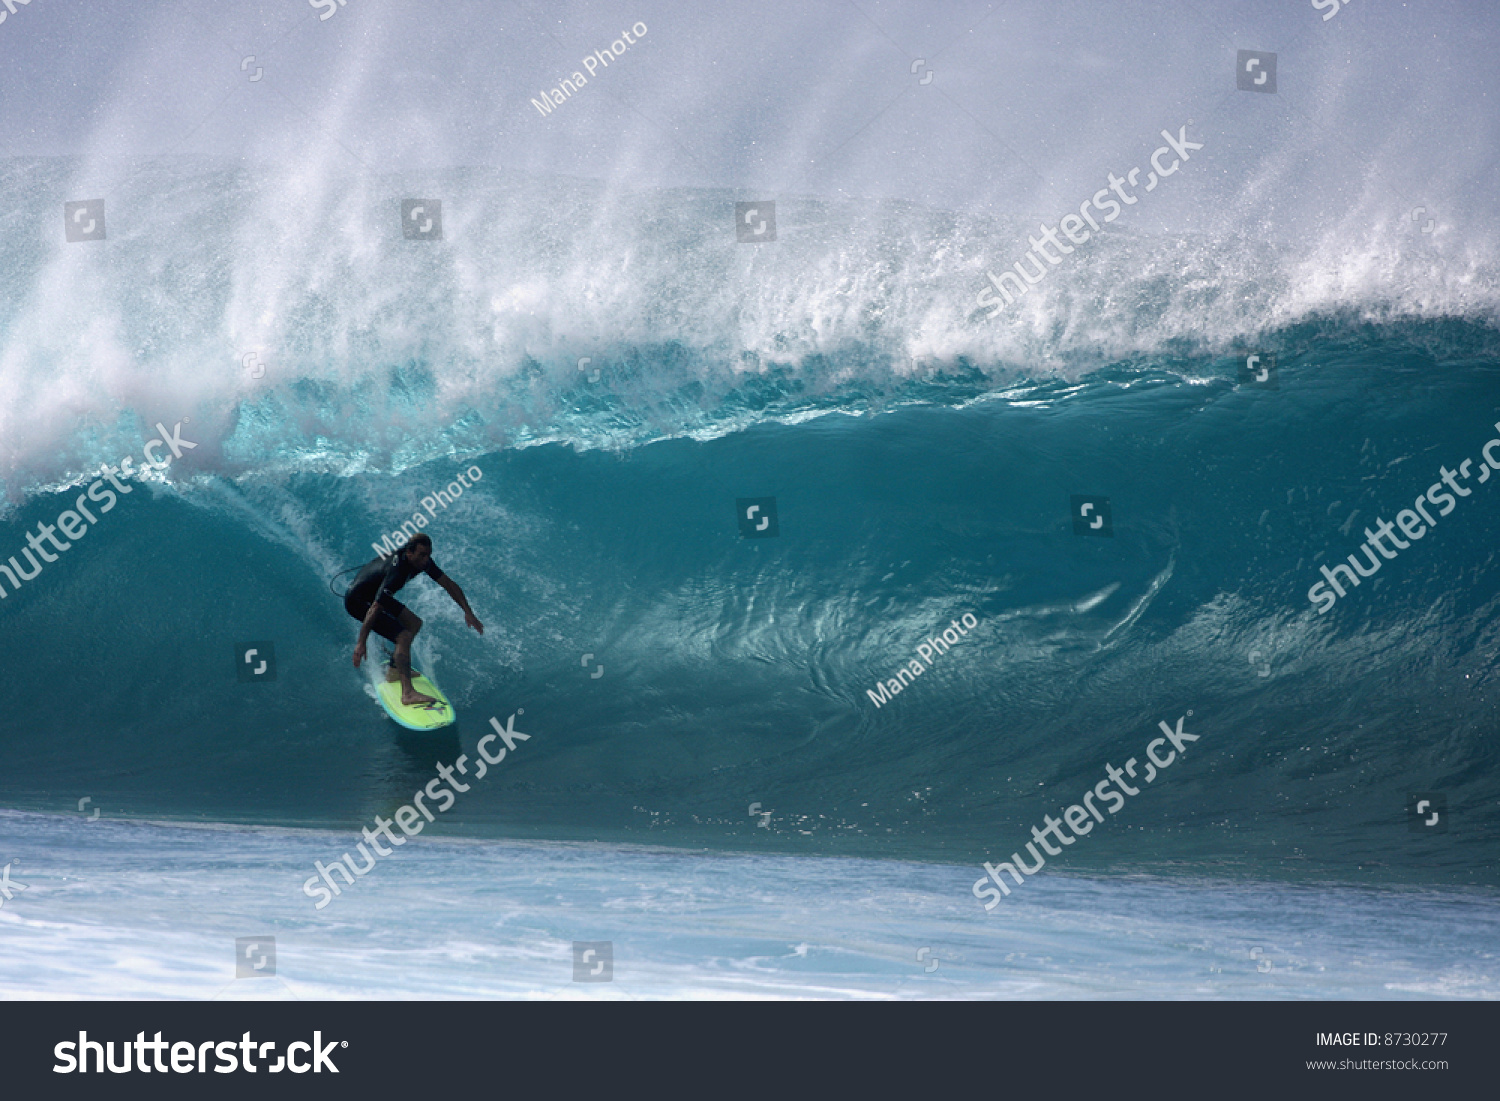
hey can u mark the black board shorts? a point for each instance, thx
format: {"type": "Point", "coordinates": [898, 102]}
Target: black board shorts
{"type": "Point", "coordinates": [387, 621]}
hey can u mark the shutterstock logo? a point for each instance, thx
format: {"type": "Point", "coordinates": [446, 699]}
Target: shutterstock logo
{"type": "Point", "coordinates": [10, 8]}
{"type": "Point", "coordinates": [1258, 369]}
{"type": "Point", "coordinates": [1079, 819]}
{"type": "Point", "coordinates": [411, 818]}
{"type": "Point", "coordinates": [255, 661]}
{"type": "Point", "coordinates": [755, 223]}
{"type": "Point", "coordinates": [254, 957]}
{"type": "Point", "coordinates": [1048, 249]}
{"type": "Point", "coordinates": [84, 220]}
{"type": "Point", "coordinates": [1091, 515]}
{"type": "Point", "coordinates": [757, 517]}
{"type": "Point", "coordinates": [1255, 71]}
{"type": "Point", "coordinates": [593, 960]}
{"type": "Point", "coordinates": [1427, 812]}
{"type": "Point", "coordinates": [1414, 523]}
{"type": "Point", "coordinates": [422, 219]}
{"type": "Point", "coordinates": [85, 1056]}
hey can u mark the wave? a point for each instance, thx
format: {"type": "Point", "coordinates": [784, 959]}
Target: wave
{"type": "Point", "coordinates": [735, 672]}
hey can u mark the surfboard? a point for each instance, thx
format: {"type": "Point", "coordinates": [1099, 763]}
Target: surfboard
{"type": "Point", "coordinates": [422, 716]}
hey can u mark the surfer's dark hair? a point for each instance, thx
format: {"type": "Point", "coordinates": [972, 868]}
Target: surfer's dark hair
{"type": "Point", "coordinates": [421, 539]}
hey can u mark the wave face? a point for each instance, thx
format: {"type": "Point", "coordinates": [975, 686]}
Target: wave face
{"type": "Point", "coordinates": [729, 671]}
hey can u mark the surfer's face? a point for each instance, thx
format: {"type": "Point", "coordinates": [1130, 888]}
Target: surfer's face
{"type": "Point", "coordinates": [419, 556]}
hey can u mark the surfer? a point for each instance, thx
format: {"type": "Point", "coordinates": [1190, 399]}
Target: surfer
{"type": "Point", "coordinates": [372, 601]}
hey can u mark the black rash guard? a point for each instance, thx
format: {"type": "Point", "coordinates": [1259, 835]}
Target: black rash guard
{"type": "Point", "coordinates": [380, 580]}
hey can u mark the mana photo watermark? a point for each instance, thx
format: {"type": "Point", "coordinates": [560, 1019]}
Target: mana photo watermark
{"type": "Point", "coordinates": [929, 650]}
{"type": "Point", "coordinates": [566, 88]}
{"type": "Point", "coordinates": [390, 544]}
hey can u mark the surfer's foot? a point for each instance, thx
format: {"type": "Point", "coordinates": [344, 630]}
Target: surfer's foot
{"type": "Point", "coordinates": [412, 698]}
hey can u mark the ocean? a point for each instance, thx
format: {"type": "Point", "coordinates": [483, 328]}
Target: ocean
{"type": "Point", "coordinates": [716, 500]}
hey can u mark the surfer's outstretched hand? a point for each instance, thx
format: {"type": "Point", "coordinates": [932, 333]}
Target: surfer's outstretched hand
{"type": "Point", "coordinates": [473, 621]}
{"type": "Point", "coordinates": [359, 655]}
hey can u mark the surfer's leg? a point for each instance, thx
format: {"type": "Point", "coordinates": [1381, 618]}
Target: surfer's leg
{"type": "Point", "coordinates": [401, 661]}
{"type": "Point", "coordinates": [387, 627]}
{"type": "Point", "coordinates": [390, 624]}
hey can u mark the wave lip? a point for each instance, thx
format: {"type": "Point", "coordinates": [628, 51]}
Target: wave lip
{"type": "Point", "coordinates": [354, 348]}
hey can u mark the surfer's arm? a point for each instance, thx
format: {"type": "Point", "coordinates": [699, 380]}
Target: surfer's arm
{"type": "Point", "coordinates": [451, 588]}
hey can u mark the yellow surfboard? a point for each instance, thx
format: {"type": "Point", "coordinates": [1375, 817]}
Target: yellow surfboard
{"type": "Point", "coordinates": [421, 716]}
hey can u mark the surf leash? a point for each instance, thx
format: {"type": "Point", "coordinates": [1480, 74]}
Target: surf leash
{"type": "Point", "coordinates": [336, 576]}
